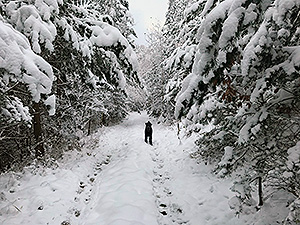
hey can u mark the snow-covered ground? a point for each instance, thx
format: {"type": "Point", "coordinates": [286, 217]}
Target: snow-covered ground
{"type": "Point", "coordinates": [117, 179]}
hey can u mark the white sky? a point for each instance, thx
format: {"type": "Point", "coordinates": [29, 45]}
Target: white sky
{"type": "Point", "coordinates": [145, 13]}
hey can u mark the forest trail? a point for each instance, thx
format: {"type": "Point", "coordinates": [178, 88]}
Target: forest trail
{"type": "Point", "coordinates": [118, 179]}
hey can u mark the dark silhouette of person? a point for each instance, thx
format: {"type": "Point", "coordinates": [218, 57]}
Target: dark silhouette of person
{"type": "Point", "coordinates": [148, 132]}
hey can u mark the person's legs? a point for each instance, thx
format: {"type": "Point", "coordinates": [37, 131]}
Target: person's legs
{"type": "Point", "coordinates": [150, 139]}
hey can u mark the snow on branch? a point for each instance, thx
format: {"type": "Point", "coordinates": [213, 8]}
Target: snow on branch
{"type": "Point", "coordinates": [293, 160]}
{"type": "Point", "coordinates": [34, 22]}
{"type": "Point", "coordinates": [22, 64]}
{"type": "Point", "coordinates": [15, 110]}
{"type": "Point", "coordinates": [103, 34]}
{"type": "Point", "coordinates": [282, 7]}
{"type": "Point", "coordinates": [203, 55]}
{"type": "Point", "coordinates": [97, 34]}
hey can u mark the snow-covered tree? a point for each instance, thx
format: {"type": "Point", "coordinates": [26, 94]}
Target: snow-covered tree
{"type": "Point", "coordinates": [104, 60]}
{"type": "Point", "coordinates": [152, 72]}
{"type": "Point", "coordinates": [90, 87]}
{"type": "Point", "coordinates": [26, 78]}
{"type": "Point", "coordinates": [161, 42]}
{"type": "Point", "coordinates": [84, 46]}
{"type": "Point", "coordinates": [236, 83]}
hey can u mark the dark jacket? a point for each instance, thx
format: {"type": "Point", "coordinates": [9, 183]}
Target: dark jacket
{"type": "Point", "coordinates": [148, 129]}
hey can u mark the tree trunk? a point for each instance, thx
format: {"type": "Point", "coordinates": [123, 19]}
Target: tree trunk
{"type": "Point", "coordinates": [39, 149]}
{"type": "Point", "coordinates": [260, 193]}
{"type": "Point", "coordinates": [89, 127]}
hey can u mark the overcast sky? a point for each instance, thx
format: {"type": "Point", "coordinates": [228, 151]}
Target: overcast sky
{"type": "Point", "coordinates": [145, 13]}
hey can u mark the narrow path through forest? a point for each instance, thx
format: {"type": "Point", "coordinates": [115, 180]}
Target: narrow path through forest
{"type": "Point", "coordinates": [157, 184]}
{"type": "Point", "coordinates": [118, 179]}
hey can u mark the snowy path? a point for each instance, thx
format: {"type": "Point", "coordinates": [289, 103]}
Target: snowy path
{"type": "Point", "coordinates": [117, 179]}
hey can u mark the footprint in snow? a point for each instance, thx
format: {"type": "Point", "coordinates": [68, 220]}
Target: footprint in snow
{"type": "Point", "coordinates": [85, 189]}
{"type": "Point", "coordinates": [160, 166]}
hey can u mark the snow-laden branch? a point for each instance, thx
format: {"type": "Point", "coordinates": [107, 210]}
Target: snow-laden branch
{"type": "Point", "coordinates": [21, 64]}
